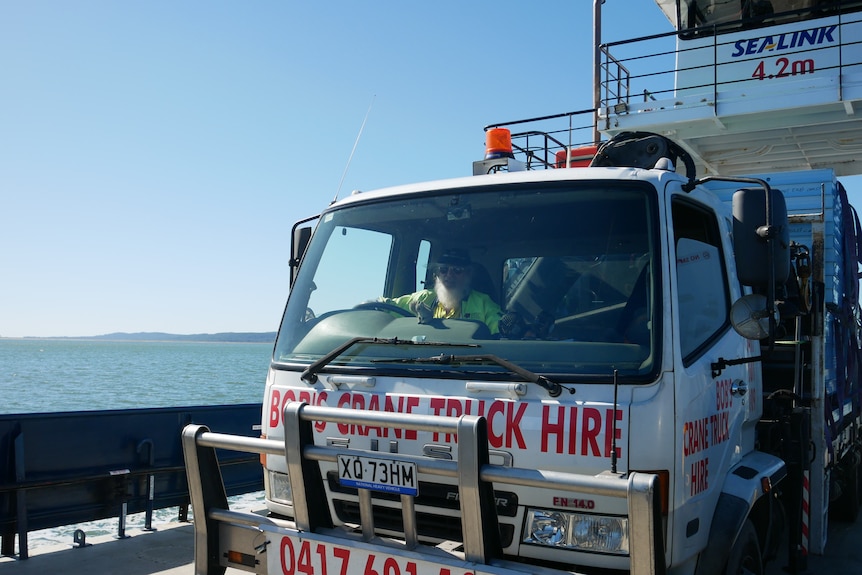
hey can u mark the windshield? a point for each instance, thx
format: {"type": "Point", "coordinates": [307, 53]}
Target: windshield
{"type": "Point", "coordinates": [557, 279]}
{"type": "Point", "coordinates": [744, 14]}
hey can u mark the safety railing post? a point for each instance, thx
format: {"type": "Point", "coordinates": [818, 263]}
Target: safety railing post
{"type": "Point", "coordinates": [21, 497]}
{"type": "Point", "coordinates": [647, 549]}
{"type": "Point", "coordinates": [206, 491]}
{"type": "Point", "coordinates": [151, 482]}
{"type": "Point", "coordinates": [121, 491]}
{"type": "Point", "coordinates": [481, 532]}
{"type": "Point", "coordinates": [310, 507]}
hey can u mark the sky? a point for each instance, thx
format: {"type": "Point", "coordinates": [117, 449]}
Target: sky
{"type": "Point", "coordinates": [155, 155]}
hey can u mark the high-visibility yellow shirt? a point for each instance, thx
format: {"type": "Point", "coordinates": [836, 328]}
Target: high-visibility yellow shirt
{"type": "Point", "coordinates": [477, 305]}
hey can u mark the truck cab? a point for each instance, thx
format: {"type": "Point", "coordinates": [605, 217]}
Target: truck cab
{"type": "Point", "coordinates": [613, 287]}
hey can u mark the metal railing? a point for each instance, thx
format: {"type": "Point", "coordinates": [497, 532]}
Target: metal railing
{"type": "Point", "coordinates": [539, 139]}
{"type": "Point", "coordinates": [75, 467]}
{"type": "Point", "coordinates": [649, 66]}
{"type": "Point", "coordinates": [650, 73]}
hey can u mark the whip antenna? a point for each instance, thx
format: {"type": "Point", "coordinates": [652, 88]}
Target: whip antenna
{"type": "Point", "coordinates": [356, 143]}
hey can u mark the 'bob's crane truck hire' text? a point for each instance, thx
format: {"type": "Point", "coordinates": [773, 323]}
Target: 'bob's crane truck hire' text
{"type": "Point", "coordinates": [657, 368]}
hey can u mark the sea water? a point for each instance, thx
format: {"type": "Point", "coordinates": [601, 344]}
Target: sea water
{"type": "Point", "coordinates": [50, 375]}
{"type": "Point", "coordinates": [41, 375]}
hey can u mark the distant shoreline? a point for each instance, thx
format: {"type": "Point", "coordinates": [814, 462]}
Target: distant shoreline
{"type": "Point", "coordinates": [224, 337]}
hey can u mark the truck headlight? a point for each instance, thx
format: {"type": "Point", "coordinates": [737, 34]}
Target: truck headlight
{"type": "Point", "coordinates": [577, 531]}
{"type": "Point", "coordinates": [279, 488]}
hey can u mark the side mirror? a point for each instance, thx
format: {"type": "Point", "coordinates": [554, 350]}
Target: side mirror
{"type": "Point", "coordinates": [761, 237]}
{"type": "Point", "coordinates": [749, 316]}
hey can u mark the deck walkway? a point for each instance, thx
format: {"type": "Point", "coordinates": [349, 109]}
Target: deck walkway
{"type": "Point", "coordinates": [167, 551]}
{"type": "Point", "coordinates": [170, 551]}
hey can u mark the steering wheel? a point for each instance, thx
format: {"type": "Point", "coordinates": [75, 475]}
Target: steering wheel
{"type": "Point", "coordinates": [383, 306]}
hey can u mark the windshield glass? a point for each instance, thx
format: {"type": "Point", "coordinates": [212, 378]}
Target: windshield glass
{"type": "Point", "coordinates": [745, 14]}
{"type": "Point", "coordinates": [559, 280]}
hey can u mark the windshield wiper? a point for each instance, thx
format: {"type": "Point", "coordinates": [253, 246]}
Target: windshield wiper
{"type": "Point", "coordinates": [310, 373]}
{"type": "Point", "coordinates": [554, 389]}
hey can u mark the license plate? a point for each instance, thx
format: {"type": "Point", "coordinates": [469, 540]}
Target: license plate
{"type": "Point", "coordinates": [378, 474]}
{"type": "Point", "coordinates": [297, 555]}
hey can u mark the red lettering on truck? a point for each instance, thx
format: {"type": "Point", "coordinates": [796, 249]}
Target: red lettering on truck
{"type": "Point", "coordinates": [504, 418]}
{"type": "Point", "coordinates": [278, 400]}
{"type": "Point", "coordinates": [591, 426]}
{"type": "Point", "coordinates": [405, 404]}
{"type": "Point", "coordinates": [574, 502]}
{"type": "Point", "coordinates": [561, 428]}
{"type": "Point", "coordinates": [720, 425]}
{"type": "Point", "coordinates": [723, 397]}
{"type": "Point", "coordinates": [695, 436]}
{"type": "Point", "coordinates": [573, 430]}
{"type": "Point", "coordinates": [699, 476]}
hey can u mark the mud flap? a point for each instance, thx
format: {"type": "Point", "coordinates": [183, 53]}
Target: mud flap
{"type": "Point", "coordinates": [730, 514]}
{"type": "Point", "coordinates": [745, 486]}
{"type": "Point", "coordinates": [797, 441]}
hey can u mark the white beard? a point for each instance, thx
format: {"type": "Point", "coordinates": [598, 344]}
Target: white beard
{"type": "Point", "coordinates": [449, 299]}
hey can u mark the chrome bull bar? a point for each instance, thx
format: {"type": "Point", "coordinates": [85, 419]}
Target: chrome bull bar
{"type": "Point", "coordinates": [474, 475]}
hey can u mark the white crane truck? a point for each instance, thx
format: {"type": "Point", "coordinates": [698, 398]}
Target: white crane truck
{"type": "Point", "coordinates": [672, 381]}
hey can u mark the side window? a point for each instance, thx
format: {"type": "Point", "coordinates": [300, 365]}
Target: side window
{"type": "Point", "coordinates": [352, 270]}
{"type": "Point", "coordinates": [702, 294]}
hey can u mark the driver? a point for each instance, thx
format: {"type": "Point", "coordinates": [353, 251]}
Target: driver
{"type": "Point", "coordinates": [452, 296]}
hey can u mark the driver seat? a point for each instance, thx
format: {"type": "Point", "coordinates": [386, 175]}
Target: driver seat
{"type": "Point", "coordinates": [633, 324]}
{"type": "Point", "coordinates": [482, 283]}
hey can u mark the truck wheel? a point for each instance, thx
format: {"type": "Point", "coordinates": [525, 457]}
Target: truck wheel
{"type": "Point", "coordinates": [853, 496]}
{"type": "Point", "coordinates": [744, 556]}
{"type": "Point", "coordinates": [846, 507]}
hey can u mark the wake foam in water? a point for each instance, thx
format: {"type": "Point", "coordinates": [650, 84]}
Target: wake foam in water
{"type": "Point", "coordinates": [65, 535]}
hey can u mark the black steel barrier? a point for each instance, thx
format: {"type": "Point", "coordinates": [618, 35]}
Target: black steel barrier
{"type": "Point", "coordinates": [65, 468]}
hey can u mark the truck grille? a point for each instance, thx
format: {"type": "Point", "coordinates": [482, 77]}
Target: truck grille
{"type": "Point", "coordinates": [429, 524]}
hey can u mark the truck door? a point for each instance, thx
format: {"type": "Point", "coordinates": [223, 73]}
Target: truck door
{"type": "Point", "coordinates": [711, 415]}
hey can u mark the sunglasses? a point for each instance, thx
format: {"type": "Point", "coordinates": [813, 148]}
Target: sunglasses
{"type": "Point", "coordinates": [457, 270]}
